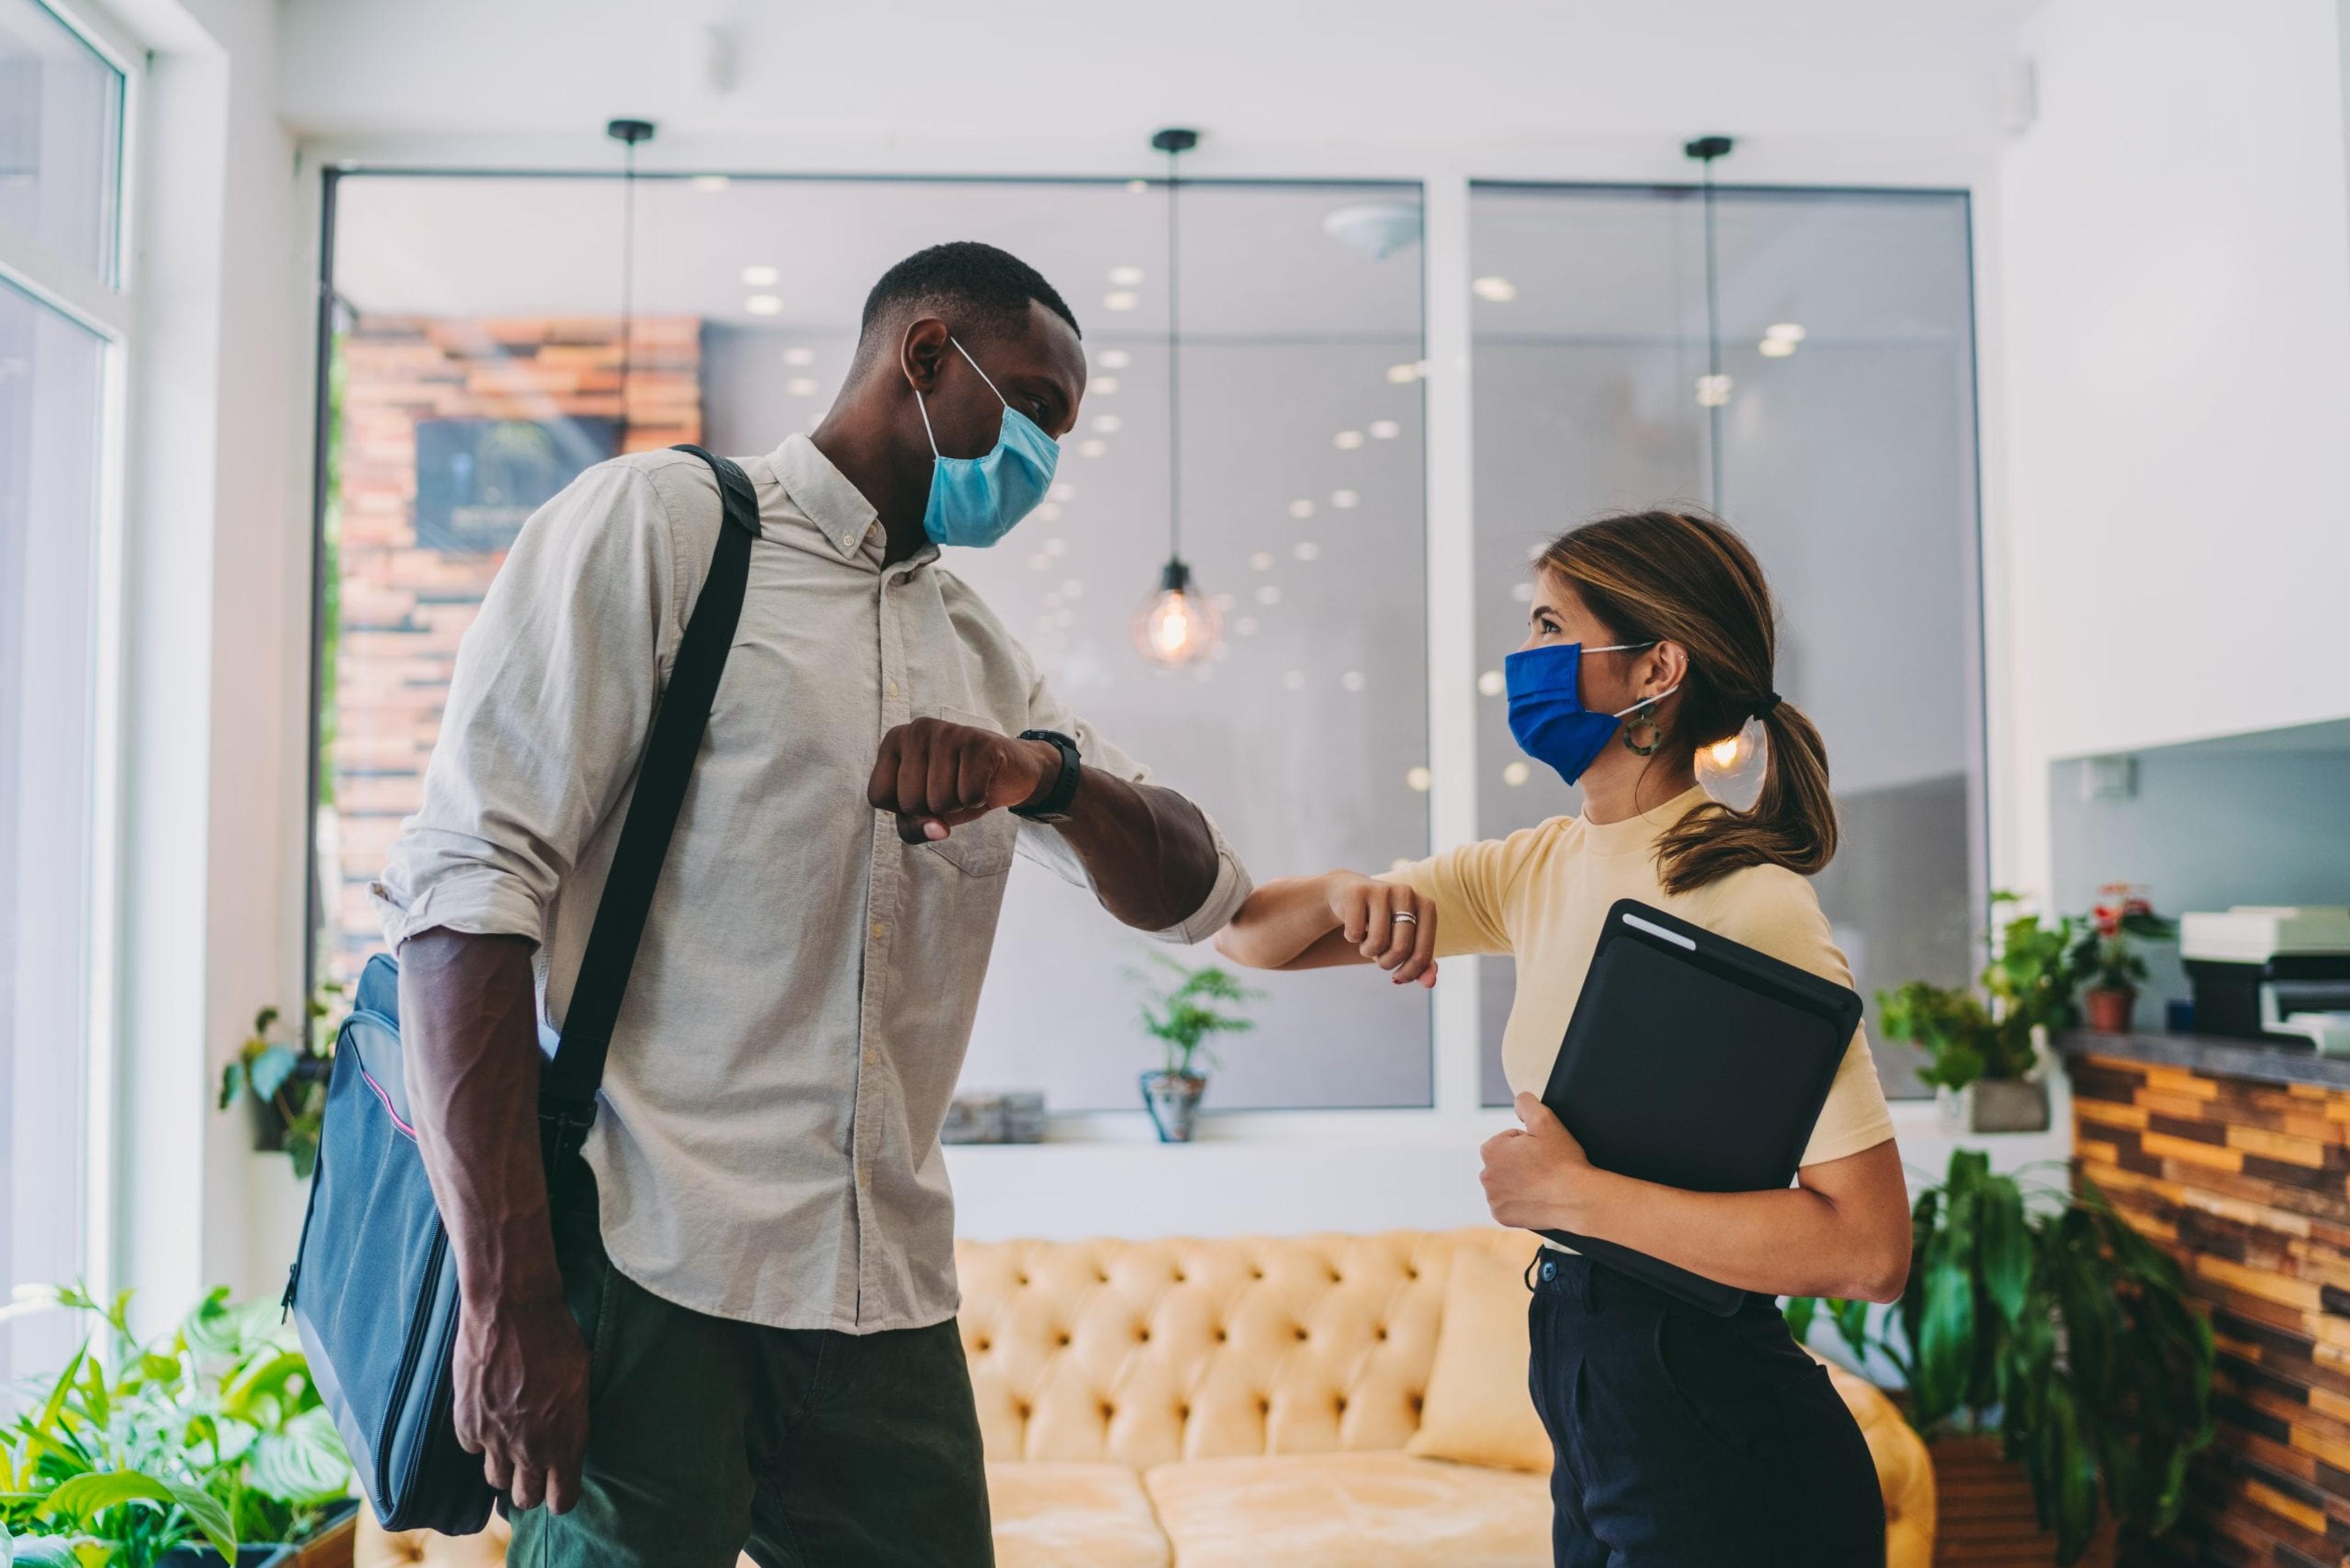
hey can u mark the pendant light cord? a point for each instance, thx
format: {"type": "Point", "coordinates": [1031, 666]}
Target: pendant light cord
{"type": "Point", "coordinates": [1174, 363]}
{"type": "Point", "coordinates": [627, 280]}
{"type": "Point", "coordinates": [1713, 348]}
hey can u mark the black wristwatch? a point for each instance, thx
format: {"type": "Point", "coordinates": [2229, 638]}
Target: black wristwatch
{"type": "Point", "coordinates": [1054, 807]}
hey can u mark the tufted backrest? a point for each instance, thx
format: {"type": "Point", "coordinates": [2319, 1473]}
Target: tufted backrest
{"type": "Point", "coordinates": [1144, 1352]}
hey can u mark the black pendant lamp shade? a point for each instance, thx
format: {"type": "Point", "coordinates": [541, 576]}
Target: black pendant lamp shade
{"type": "Point", "coordinates": [1177, 624]}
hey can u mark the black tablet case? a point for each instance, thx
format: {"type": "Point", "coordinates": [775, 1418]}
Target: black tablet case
{"type": "Point", "coordinates": [1694, 1062]}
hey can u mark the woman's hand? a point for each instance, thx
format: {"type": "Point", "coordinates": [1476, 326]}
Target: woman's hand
{"type": "Point", "coordinates": [1537, 1176]}
{"type": "Point", "coordinates": [1387, 923]}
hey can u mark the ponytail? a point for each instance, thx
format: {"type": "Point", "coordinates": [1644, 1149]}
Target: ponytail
{"type": "Point", "coordinates": [1668, 576]}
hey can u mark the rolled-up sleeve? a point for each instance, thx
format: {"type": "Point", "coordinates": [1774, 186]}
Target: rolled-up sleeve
{"type": "Point", "coordinates": [549, 705]}
{"type": "Point", "coordinates": [1045, 845]}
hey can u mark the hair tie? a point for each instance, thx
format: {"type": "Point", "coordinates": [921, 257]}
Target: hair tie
{"type": "Point", "coordinates": [1770, 701]}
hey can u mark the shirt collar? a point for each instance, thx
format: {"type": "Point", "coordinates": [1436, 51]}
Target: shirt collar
{"type": "Point", "coordinates": [837, 508]}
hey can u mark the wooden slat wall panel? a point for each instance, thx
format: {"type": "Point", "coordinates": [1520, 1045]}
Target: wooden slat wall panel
{"type": "Point", "coordinates": [2248, 1186]}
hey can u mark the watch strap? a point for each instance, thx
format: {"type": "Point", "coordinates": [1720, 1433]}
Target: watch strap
{"type": "Point", "coordinates": [1054, 807]}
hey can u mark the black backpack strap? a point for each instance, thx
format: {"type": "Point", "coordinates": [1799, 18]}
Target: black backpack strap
{"type": "Point", "coordinates": [566, 1097]}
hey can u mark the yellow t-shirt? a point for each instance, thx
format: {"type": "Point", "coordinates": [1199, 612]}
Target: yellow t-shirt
{"type": "Point", "coordinates": [1541, 896]}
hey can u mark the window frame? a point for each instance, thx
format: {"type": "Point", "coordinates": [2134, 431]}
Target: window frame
{"type": "Point", "coordinates": [103, 302]}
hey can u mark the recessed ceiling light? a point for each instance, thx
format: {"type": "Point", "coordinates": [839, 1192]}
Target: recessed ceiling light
{"type": "Point", "coordinates": [1786, 331]}
{"type": "Point", "coordinates": [1092, 448]}
{"type": "Point", "coordinates": [1498, 290]}
{"type": "Point", "coordinates": [1775, 348]}
{"type": "Point", "coordinates": [1052, 546]}
{"type": "Point", "coordinates": [762, 304]}
{"type": "Point", "coordinates": [1306, 550]}
{"type": "Point", "coordinates": [1124, 277]}
{"type": "Point", "coordinates": [1064, 491]}
{"type": "Point", "coordinates": [1523, 593]}
{"type": "Point", "coordinates": [1120, 300]}
{"type": "Point", "coordinates": [799, 356]}
{"type": "Point", "coordinates": [1491, 684]}
{"type": "Point", "coordinates": [711, 182]}
{"type": "Point", "coordinates": [1139, 187]}
{"type": "Point", "coordinates": [1515, 774]}
{"type": "Point", "coordinates": [1294, 680]}
{"type": "Point", "coordinates": [1104, 385]}
{"type": "Point", "coordinates": [1346, 441]}
{"type": "Point", "coordinates": [1262, 561]}
{"type": "Point", "coordinates": [1268, 595]}
{"type": "Point", "coordinates": [1713, 391]}
{"type": "Point", "coordinates": [1301, 508]}
{"type": "Point", "coordinates": [1049, 512]}
{"type": "Point", "coordinates": [1113, 358]}
{"type": "Point", "coordinates": [801, 387]}
{"type": "Point", "coordinates": [1352, 681]}
{"type": "Point", "coordinates": [1418, 779]}
{"type": "Point", "coordinates": [761, 276]}
{"type": "Point", "coordinates": [1403, 374]}
{"type": "Point", "coordinates": [1107, 424]}
{"type": "Point", "coordinates": [1345, 499]}
{"type": "Point", "coordinates": [1385, 430]}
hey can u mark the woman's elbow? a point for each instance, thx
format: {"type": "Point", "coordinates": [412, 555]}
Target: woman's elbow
{"type": "Point", "coordinates": [1885, 1272]}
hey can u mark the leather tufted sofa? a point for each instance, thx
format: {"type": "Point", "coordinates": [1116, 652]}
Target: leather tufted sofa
{"type": "Point", "coordinates": [1244, 1401]}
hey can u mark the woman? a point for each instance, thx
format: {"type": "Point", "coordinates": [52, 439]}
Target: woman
{"type": "Point", "coordinates": [1678, 1437]}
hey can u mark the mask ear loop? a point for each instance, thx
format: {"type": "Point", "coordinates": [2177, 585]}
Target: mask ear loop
{"type": "Point", "coordinates": [983, 375]}
{"type": "Point", "coordinates": [925, 407]}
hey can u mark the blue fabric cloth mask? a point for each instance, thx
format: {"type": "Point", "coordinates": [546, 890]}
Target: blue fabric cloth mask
{"type": "Point", "coordinates": [976, 501]}
{"type": "Point", "coordinates": [1547, 718]}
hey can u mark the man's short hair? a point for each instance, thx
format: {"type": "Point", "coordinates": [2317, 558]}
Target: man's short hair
{"type": "Point", "coordinates": [978, 289]}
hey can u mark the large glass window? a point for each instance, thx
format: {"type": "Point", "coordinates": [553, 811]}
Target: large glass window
{"type": "Point", "coordinates": [61, 129]}
{"type": "Point", "coordinates": [480, 310]}
{"type": "Point", "coordinates": [1847, 460]}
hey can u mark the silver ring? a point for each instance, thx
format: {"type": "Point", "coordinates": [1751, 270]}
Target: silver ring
{"type": "Point", "coordinates": [1400, 919]}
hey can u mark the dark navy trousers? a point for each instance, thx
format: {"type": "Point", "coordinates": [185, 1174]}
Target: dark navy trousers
{"type": "Point", "coordinates": [1686, 1440]}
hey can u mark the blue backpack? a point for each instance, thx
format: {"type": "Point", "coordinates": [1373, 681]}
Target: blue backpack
{"type": "Point", "coordinates": [373, 1290]}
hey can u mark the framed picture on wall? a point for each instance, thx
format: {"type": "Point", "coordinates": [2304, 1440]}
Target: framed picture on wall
{"type": "Point", "coordinates": [478, 481]}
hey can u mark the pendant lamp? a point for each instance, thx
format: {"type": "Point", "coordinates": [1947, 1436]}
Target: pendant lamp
{"type": "Point", "coordinates": [1713, 387]}
{"type": "Point", "coordinates": [629, 133]}
{"type": "Point", "coordinates": [1177, 624]}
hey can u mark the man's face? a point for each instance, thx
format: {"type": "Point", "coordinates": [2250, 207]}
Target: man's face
{"type": "Point", "coordinates": [1039, 370]}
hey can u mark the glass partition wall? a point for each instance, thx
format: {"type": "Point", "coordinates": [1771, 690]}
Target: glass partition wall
{"type": "Point", "coordinates": [478, 366]}
{"type": "Point", "coordinates": [1847, 460]}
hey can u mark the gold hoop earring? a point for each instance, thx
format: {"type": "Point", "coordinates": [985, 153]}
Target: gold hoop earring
{"type": "Point", "coordinates": [1656, 736]}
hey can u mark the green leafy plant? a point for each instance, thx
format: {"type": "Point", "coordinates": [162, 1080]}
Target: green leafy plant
{"type": "Point", "coordinates": [286, 1079]}
{"type": "Point", "coordinates": [212, 1433]}
{"type": "Point", "coordinates": [2105, 957]}
{"type": "Point", "coordinates": [2029, 983]}
{"type": "Point", "coordinates": [1182, 1014]}
{"type": "Point", "coordinates": [2042, 1311]}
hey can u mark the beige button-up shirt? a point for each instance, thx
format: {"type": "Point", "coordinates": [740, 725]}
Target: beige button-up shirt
{"type": "Point", "coordinates": [767, 1142]}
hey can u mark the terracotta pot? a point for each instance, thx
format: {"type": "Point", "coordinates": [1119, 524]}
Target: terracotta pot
{"type": "Point", "coordinates": [1985, 1511]}
{"type": "Point", "coordinates": [1995, 1105]}
{"type": "Point", "coordinates": [2109, 1010]}
{"type": "Point", "coordinates": [1173, 1101]}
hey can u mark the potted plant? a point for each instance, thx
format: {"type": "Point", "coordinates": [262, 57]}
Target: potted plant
{"type": "Point", "coordinates": [2043, 1311]}
{"type": "Point", "coordinates": [1181, 1015]}
{"type": "Point", "coordinates": [284, 1080]}
{"type": "Point", "coordinates": [1984, 1052]}
{"type": "Point", "coordinates": [174, 1452]}
{"type": "Point", "coordinates": [2107, 965]}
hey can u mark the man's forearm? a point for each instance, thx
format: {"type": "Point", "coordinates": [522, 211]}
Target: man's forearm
{"type": "Point", "coordinates": [1150, 853]}
{"type": "Point", "coordinates": [469, 1022]}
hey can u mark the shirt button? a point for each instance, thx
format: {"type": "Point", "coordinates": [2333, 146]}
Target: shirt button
{"type": "Point", "coordinates": [879, 931]}
{"type": "Point", "coordinates": [893, 688]}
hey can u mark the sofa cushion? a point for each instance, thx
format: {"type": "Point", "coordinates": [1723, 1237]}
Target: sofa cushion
{"type": "Point", "coordinates": [1061, 1515]}
{"type": "Point", "coordinates": [1478, 1410]}
{"type": "Point", "coordinates": [1340, 1510]}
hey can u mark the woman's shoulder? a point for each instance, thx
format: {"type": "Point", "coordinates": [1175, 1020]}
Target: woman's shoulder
{"type": "Point", "coordinates": [1762, 906]}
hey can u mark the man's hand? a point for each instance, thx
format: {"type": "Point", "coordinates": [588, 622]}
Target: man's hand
{"type": "Point", "coordinates": [1537, 1176]}
{"type": "Point", "coordinates": [521, 1376]}
{"type": "Point", "coordinates": [1387, 923]}
{"type": "Point", "coordinates": [937, 776]}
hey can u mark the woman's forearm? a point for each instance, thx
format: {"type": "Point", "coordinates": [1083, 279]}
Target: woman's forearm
{"type": "Point", "coordinates": [1280, 919]}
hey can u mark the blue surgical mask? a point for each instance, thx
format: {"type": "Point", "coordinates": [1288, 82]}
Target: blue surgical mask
{"type": "Point", "coordinates": [977, 500]}
{"type": "Point", "coordinates": [1547, 718]}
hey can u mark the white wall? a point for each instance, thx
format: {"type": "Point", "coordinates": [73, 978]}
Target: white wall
{"type": "Point", "coordinates": [2175, 276]}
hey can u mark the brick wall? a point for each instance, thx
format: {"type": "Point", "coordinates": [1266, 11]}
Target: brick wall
{"type": "Point", "coordinates": [405, 606]}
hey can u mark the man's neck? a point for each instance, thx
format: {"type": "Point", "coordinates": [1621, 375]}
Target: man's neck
{"type": "Point", "coordinates": [862, 455]}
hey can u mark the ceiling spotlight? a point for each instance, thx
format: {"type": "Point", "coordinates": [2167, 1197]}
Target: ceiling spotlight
{"type": "Point", "coordinates": [1124, 277]}
{"type": "Point", "coordinates": [1137, 187]}
{"type": "Point", "coordinates": [1104, 385]}
{"type": "Point", "coordinates": [1050, 511]}
{"type": "Point", "coordinates": [711, 182]}
{"type": "Point", "coordinates": [1385, 430]}
{"type": "Point", "coordinates": [1787, 331]}
{"type": "Point", "coordinates": [1052, 546]}
{"type": "Point", "coordinates": [1262, 561]}
{"type": "Point", "coordinates": [1353, 680]}
{"type": "Point", "coordinates": [1418, 779]}
{"type": "Point", "coordinates": [1106, 424]}
{"type": "Point", "coordinates": [1377, 229]}
{"type": "Point", "coordinates": [1713, 391]}
{"type": "Point", "coordinates": [800, 387]}
{"type": "Point", "coordinates": [1775, 348]}
{"type": "Point", "coordinates": [1120, 300]}
{"type": "Point", "coordinates": [1495, 290]}
{"type": "Point", "coordinates": [1403, 375]}
{"type": "Point", "coordinates": [1113, 358]}
{"type": "Point", "coordinates": [1523, 593]}
{"type": "Point", "coordinates": [762, 304]}
{"type": "Point", "coordinates": [799, 357]}
{"type": "Point", "coordinates": [1301, 509]}
{"type": "Point", "coordinates": [1345, 499]}
{"type": "Point", "coordinates": [761, 276]}
{"type": "Point", "coordinates": [1092, 448]}
{"type": "Point", "coordinates": [1515, 774]}
{"type": "Point", "coordinates": [1346, 441]}
{"type": "Point", "coordinates": [1491, 684]}
{"type": "Point", "coordinates": [1064, 491]}
{"type": "Point", "coordinates": [1266, 594]}
{"type": "Point", "coordinates": [1306, 550]}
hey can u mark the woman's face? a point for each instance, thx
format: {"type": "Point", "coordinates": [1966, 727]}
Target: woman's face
{"type": "Point", "coordinates": [1557, 616]}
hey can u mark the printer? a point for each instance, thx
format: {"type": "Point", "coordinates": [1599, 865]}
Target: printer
{"type": "Point", "coordinates": [2263, 971]}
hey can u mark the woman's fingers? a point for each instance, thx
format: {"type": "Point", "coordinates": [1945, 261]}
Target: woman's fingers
{"type": "Point", "coordinates": [1403, 927]}
{"type": "Point", "coordinates": [1378, 902]}
{"type": "Point", "coordinates": [1420, 962]}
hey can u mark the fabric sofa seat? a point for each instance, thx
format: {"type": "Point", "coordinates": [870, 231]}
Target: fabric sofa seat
{"type": "Point", "coordinates": [1342, 1510]}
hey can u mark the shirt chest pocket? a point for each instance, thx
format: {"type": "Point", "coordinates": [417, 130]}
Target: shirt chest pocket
{"type": "Point", "coordinates": [985, 847]}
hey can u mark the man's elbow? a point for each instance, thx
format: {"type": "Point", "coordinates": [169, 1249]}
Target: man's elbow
{"type": "Point", "coordinates": [1884, 1275]}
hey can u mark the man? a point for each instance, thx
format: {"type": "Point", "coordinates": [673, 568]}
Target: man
{"type": "Point", "coordinates": [739, 1328]}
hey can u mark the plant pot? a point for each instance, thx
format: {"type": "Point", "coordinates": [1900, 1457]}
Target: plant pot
{"type": "Point", "coordinates": [246, 1557]}
{"type": "Point", "coordinates": [1995, 1105]}
{"type": "Point", "coordinates": [1985, 1511]}
{"type": "Point", "coordinates": [1173, 1101]}
{"type": "Point", "coordinates": [2109, 1008]}
{"type": "Point", "coordinates": [330, 1546]}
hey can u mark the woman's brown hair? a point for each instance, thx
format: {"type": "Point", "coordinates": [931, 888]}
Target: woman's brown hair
{"type": "Point", "coordinates": [1671, 576]}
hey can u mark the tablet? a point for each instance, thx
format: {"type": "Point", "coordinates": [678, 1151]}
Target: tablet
{"type": "Point", "coordinates": [1694, 1062]}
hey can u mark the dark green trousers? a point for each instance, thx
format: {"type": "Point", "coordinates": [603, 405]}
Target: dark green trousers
{"type": "Point", "coordinates": [806, 1447]}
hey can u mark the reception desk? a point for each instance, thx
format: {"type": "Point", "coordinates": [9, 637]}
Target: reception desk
{"type": "Point", "coordinates": [2235, 1155]}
